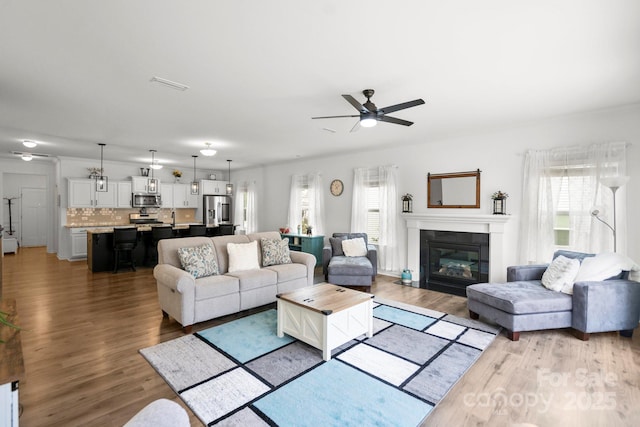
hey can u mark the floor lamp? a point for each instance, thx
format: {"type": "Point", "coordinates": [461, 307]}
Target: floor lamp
{"type": "Point", "coordinates": [613, 182]}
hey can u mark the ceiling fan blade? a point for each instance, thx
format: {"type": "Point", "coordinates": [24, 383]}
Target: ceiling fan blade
{"type": "Point", "coordinates": [356, 127]}
{"type": "Point", "coordinates": [334, 117]}
{"type": "Point", "coordinates": [395, 121]}
{"type": "Point", "coordinates": [392, 108]}
{"type": "Point", "coordinates": [356, 104]}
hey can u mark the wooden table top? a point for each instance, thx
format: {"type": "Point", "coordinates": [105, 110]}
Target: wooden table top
{"type": "Point", "coordinates": [11, 362]}
{"type": "Point", "coordinates": [326, 298]}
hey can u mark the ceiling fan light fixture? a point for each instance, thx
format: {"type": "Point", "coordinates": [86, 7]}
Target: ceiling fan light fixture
{"type": "Point", "coordinates": [27, 157]}
{"type": "Point", "coordinates": [29, 144]}
{"type": "Point", "coordinates": [368, 122]}
{"type": "Point", "coordinates": [208, 151]}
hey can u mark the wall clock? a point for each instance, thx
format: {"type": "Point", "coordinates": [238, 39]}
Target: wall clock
{"type": "Point", "coordinates": [337, 187]}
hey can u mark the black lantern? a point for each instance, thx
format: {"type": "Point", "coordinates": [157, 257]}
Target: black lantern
{"type": "Point", "coordinates": [407, 203]}
{"type": "Point", "coordinates": [499, 202]}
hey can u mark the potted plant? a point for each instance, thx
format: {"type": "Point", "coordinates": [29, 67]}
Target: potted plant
{"type": "Point", "coordinates": [177, 174]}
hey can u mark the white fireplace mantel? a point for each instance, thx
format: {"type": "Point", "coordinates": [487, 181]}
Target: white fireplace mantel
{"type": "Point", "coordinates": [494, 225]}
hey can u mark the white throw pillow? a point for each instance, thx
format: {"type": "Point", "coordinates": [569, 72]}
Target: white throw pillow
{"type": "Point", "coordinates": [243, 256]}
{"type": "Point", "coordinates": [560, 275]}
{"type": "Point", "coordinates": [354, 247]}
{"type": "Point", "coordinates": [603, 266]}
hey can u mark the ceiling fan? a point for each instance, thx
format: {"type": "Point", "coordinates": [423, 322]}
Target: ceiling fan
{"type": "Point", "coordinates": [370, 114]}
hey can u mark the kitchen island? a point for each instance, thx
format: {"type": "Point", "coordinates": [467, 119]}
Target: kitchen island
{"type": "Point", "coordinates": [100, 254]}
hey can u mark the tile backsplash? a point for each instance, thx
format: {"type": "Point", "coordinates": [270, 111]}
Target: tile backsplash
{"type": "Point", "coordinates": [89, 217]}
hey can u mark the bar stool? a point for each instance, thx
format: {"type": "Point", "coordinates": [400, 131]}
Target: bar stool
{"type": "Point", "coordinates": [157, 234]}
{"type": "Point", "coordinates": [197, 230]}
{"type": "Point", "coordinates": [125, 241]}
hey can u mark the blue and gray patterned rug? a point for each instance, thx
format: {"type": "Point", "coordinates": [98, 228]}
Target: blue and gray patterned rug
{"type": "Point", "coordinates": [241, 374]}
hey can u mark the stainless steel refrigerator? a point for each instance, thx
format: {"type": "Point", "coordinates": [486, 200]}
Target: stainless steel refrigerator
{"type": "Point", "coordinates": [217, 210]}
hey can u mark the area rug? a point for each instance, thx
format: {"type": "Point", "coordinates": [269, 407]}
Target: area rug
{"type": "Point", "coordinates": [241, 374]}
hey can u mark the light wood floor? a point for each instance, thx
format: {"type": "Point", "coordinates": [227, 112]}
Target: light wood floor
{"type": "Point", "coordinates": [82, 333]}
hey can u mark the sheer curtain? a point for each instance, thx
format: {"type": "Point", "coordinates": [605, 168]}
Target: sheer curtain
{"type": "Point", "coordinates": [245, 207]}
{"type": "Point", "coordinates": [306, 196]}
{"type": "Point", "coordinates": [383, 180]}
{"type": "Point", "coordinates": [561, 187]}
{"type": "Point", "coordinates": [252, 204]}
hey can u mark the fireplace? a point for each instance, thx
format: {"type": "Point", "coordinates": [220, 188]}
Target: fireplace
{"type": "Point", "coordinates": [450, 260]}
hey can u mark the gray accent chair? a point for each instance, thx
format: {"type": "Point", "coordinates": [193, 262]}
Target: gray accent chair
{"type": "Point", "coordinates": [524, 304]}
{"type": "Point", "coordinates": [342, 270]}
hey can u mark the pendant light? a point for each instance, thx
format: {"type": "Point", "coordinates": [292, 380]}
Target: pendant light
{"type": "Point", "coordinates": [152, 183]}
{"type": "Point", "coordinates": [102, 182]}
{"type": "Point", "coordinates": [229, 184]}
{"type": "Point", "coordinates": [195, 187]}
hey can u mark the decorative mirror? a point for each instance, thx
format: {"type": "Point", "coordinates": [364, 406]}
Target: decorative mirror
{"type": "Point", "coordinates": [453, 190]}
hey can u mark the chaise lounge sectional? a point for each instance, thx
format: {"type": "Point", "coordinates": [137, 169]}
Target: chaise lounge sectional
{"type": "Point", "coordinates": [524, 304]}
{"type": "Point", "coordinates": [190, 300]}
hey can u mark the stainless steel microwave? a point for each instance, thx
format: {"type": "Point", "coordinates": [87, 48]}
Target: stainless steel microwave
{"type": "Point", "coordinates": [143, 200]}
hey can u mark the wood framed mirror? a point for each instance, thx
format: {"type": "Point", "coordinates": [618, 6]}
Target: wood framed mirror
{"type": "Point", "coordinates": [453, 190]}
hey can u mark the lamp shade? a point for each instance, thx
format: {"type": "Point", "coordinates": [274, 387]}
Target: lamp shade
{"type": "Point", "coordinates": [614, 181]}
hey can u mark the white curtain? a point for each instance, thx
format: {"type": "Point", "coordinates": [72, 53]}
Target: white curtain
{"type": "Point", "coordinates": [383, 178]}
{"type": "Point", "coordinates": [316, 203]}
{"type": "Point", "coordinates": [252, 203]}
{"type": "Point", "coordinates": [561, 187]}
{"type": "Point", "coordinates": [246, 198]}
{"type": "Point", "coordinates": [306, 192]}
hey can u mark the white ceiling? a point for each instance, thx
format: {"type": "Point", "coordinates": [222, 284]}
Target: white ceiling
{"type": "Point", "coordinates": [74, 73]}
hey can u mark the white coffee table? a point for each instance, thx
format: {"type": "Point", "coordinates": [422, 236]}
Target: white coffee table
{"type": "Point", "coordinates": [325, 316]}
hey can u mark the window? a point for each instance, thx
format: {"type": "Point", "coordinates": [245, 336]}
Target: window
{"type": "Point", "coordinates": [373, 211]}
{"type": "Point", "coordinates": [306, 202]}
{"type": "Point", "coordinates": [561, 188]}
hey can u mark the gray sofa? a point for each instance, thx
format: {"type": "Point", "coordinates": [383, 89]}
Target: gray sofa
{"type": "Point", "coordinates": [524, 304]}
{"type": "Point", "coordinates": [189, 300]}
{"type": "Point", "coordinates": [342, 270]}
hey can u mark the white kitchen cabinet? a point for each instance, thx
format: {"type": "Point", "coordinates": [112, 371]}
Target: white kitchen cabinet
{"type": "Point", "coordinates": [209, 187]}
{"type": "Point", "coordinates": [140, 184]}
{"type": "Point", "coordinates": [78, 243]}
{"type": "Point", "coordinates": [124, 194]}
{"type": "Point", "coordinates": [182, 197]}
{"type": "Point", "coordinates": [166, 194]}
{"type": "Point", "coordinates": [82, 194]}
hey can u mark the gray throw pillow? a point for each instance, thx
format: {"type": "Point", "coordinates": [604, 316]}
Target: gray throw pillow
{"type": "Point", "coordinates": [199, 261]}
{"type": "Point", "coordinates": [275, 252]}
{"type": "Point", "coordinates": [336, 246]}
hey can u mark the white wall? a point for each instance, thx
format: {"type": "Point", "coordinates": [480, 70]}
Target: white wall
{"type": "Point", "coordinates": [499, 154]}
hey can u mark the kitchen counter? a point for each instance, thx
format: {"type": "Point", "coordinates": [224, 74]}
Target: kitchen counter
{"type": "Point", "coordinates": [100, 256]}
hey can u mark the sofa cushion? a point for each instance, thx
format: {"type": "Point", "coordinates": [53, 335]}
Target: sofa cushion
{"type": "Point", "coordinates": [243, 256]}
{"type": "Point", "coordinates": [275, 252]}
{"type": "Point", "coordinates": [199, 261]}
{"type": "Point", "coordinates": [524, 297]}
{"type": "Point", "coordinates": [560, 273]}
{"type": "Point", "coordinates": [350, 266]}
{"type": "Point", "coordinates": [254, 279]}
{"type": "Point", "coordinates": [354, 247]}
{"type": "Point", "coordinates": [287, 272]}
{"type": "Point", "coordinates": [336, 246]}
{"type": "Point", "coordinates": [220, 243]}
{"type": "Point", "coordinates": [216, 286]}
{"type": "Point", "coordinates": [604, 266]}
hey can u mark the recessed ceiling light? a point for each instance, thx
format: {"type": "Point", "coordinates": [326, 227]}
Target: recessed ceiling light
{"type": "Point", "coordinates": [28, 144]}
{"type": "Point", "coordinates": [169, 83]}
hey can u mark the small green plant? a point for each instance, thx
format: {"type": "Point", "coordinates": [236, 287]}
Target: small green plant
{"type": "Point", "coordinates": [4, 321]}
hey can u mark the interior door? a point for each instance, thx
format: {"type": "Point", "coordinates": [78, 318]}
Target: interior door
{"type": "Point", "coordinates": [33, 220]}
